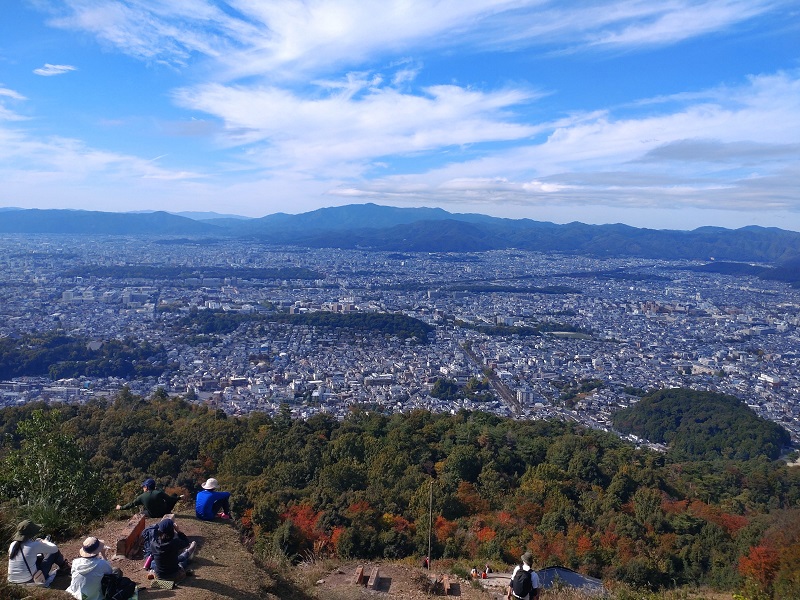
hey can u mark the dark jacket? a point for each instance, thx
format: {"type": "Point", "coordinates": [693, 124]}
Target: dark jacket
{"type": "Point", "coordinates": [156, 503]}
{"type": "Point", "coordinates": [165, 552]}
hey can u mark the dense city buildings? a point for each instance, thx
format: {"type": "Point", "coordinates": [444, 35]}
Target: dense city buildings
{"type": "Point", "coordinates": [556, 336]}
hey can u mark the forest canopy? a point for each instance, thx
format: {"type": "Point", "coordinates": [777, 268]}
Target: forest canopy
{"type": "Point", "coordinates": [702, 425]}
{"type": "Point", "coordinates": [361, 487]}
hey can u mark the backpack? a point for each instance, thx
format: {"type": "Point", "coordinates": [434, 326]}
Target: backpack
{"type": "Point", "coordinates": [522, 583]}
{"type": "Point", "coordinates": [117, 587]}
{"type": "Point", "coordinates": [146, 538]}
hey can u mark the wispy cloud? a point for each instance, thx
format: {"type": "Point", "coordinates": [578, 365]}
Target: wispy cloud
{"type": "Point", "coordinates": [284, 38]}
{"type": "Point", "coordinates": [740, 145]}
{"type": "Point", "coordinates": [6, 114]}
{"type": "Point", "coordinates": [49, 70]}
{"type": "Point", "coordinates": [353, 122]}
{"type": "Point", "coordinates": [11, 94]}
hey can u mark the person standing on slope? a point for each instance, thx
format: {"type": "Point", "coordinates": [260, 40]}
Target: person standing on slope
{"type": "Point", "coordinates": [524, 582]}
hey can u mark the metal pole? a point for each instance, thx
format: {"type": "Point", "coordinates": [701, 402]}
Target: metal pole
{"type": "Point", "coordinates": [430, 524]}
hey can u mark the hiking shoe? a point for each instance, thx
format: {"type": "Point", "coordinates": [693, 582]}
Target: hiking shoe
{"type": "Point", "coordinates": [191, 549]}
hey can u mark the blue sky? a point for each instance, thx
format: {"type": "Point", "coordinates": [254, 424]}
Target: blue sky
{"type": "Point", "coordinates": [664, 114]}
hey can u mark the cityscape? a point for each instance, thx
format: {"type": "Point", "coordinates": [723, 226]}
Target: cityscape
{"type": "Point", "coordinates": [616, 327]}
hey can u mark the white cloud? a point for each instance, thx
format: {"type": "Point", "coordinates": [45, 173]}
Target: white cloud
{"type": "Point", "coordinates": [6, 114]}
{"type": "Point", "coordinates": [285, 39]}
{"type": "Point", "coordinates": [11, 94]}
{"type": "Point", "coordinates": [352, 123]}
{"type": "Point", "coordinates": [49, 70]}
{"type": "Point", "coordinates": [734, 148]}
{"type": "Point", "coordinates": [71, 161]}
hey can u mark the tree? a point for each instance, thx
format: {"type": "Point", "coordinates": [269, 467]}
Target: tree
{"type": "Point", "coordinates": [49, 478]}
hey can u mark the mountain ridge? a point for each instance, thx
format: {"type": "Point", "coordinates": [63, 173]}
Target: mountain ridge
{"type": "Point", "coordinates": [384, 228]}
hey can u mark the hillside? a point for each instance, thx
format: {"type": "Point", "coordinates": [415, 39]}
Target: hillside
{"type": "Point", "coordinates": [702, 425]}
{"type": "Point", "coordinates": [386, 228]}
{"type": "Point", "coordinates": [223, 568]}
{"type": "Point", "coordinates": [366, 488]}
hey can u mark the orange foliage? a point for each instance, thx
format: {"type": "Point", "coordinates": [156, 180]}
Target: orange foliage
{"type": "Point", "coordinates": [335, 535]}
{"type": "Point", "coordinates": [626, 549]}
{"type": "Point", "coordinates": [400, 524]}
{"type": "Point", "coordinates": [760, 565]}
{"type": "Point", "coordinates": [485, 534]}
{"type": "Point", "coordinates": [731, 523]}
{"type": "Point", "coordinates": [246, 520]}
{"type": "Point", "coordinates": [470, 498]}
{"type": "Point", "coordinates": [305, 519]}
{"type": "Point", "coordinates": [505, 519]}
{"type": "Point", "coordinates": [444, 529]}
{"type": "Point", "coordinates": [608, 539]}
{"type": "Point", "coordinates": [558, 547]}
{"type": "Point", "coordinates": [584, 546]}
{"type": "Point", "coordinates": [674, 507]}
{"type": "Point", "coordinates": [530, 512]}
{"type": "Point", "coordinates": [362, 507]}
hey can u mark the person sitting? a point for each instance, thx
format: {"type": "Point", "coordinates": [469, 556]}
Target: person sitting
{"type": "Point", "coordinates": [29, 555]}
{"type": "Point", "coordinates": [171, 551]}
{"type": "Point", "coordinates": [88, 570]}
{"type": "Point", "coordinates": [211, 503]}
{"type": "Point", "coordinates": [156, 503]}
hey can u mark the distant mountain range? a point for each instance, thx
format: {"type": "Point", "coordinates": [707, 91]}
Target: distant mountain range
{"type": "Point", "coordinates": [374, 227]}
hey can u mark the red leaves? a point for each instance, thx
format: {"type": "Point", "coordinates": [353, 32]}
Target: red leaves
{"type": "Point", "coordinates": [760, 565]}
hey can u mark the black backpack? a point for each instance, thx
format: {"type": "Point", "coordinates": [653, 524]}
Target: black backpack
{"type": "Point", "coordinates": [116, 587]}
{"type": "Point", "coordinates": [522, 583]}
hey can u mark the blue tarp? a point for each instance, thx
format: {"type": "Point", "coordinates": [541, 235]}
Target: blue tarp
{"type": "Point", "coordinates": [554, 576]}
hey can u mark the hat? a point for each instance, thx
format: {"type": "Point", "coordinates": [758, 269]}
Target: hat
{"type": "Point", "coordinates": [210, 484]}
{"type": "Point", "coordinates": [149, 483]}
{"type": "Point", "coordinates": [26, 530]}
{"type": "Point", "coordinates": [166, 526]}
{"type": "Point", "coordinates": [527, 558]}
{"type": "Point", "coordinates": [91, 547]}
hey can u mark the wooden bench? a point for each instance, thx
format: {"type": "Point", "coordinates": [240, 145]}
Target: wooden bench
{"type": "Point", "coordinates": [358, 578]}
{"type": "Point", "coordinates": [128, 542]}
{"type": "Point", "coordinates": [374, 579]}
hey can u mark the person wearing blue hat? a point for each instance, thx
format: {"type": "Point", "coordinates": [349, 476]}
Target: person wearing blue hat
{"type": "Point", "coordinates": [156, 503]}
{"type": "Point", "coordinates": [171, 552]}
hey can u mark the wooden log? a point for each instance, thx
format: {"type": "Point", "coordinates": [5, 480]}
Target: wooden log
{"type": "Point", "coordinates": [358, 578]}
{"type": "Point", "coordinates": [128, 542]}
{"type": "Point", "coordinates": [374, 579]}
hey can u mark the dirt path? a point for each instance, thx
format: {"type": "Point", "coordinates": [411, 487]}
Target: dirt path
{"type": "Point", "coordinates": [222, 567]}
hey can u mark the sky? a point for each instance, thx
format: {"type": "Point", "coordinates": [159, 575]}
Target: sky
{"type": "Point", "coordinates": [667, 114]}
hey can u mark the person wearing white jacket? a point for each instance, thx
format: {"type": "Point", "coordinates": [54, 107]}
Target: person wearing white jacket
{"type": "Point", "coordinates": [88, 570]}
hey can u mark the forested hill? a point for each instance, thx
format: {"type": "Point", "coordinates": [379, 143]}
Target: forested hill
{"type": "Point", "coordinates": [361, 488]}
{"type": "Point", "coordinates": [702, 425]}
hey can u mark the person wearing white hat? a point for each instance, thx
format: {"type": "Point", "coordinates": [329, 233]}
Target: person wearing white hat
{"type": "Point", "coordinates": [88, 570]}
{"type": "Point", "coordinates": [210, 503]}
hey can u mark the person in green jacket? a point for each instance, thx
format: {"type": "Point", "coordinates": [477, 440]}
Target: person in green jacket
{"type": "Point", "coordinates": [156, 503]}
